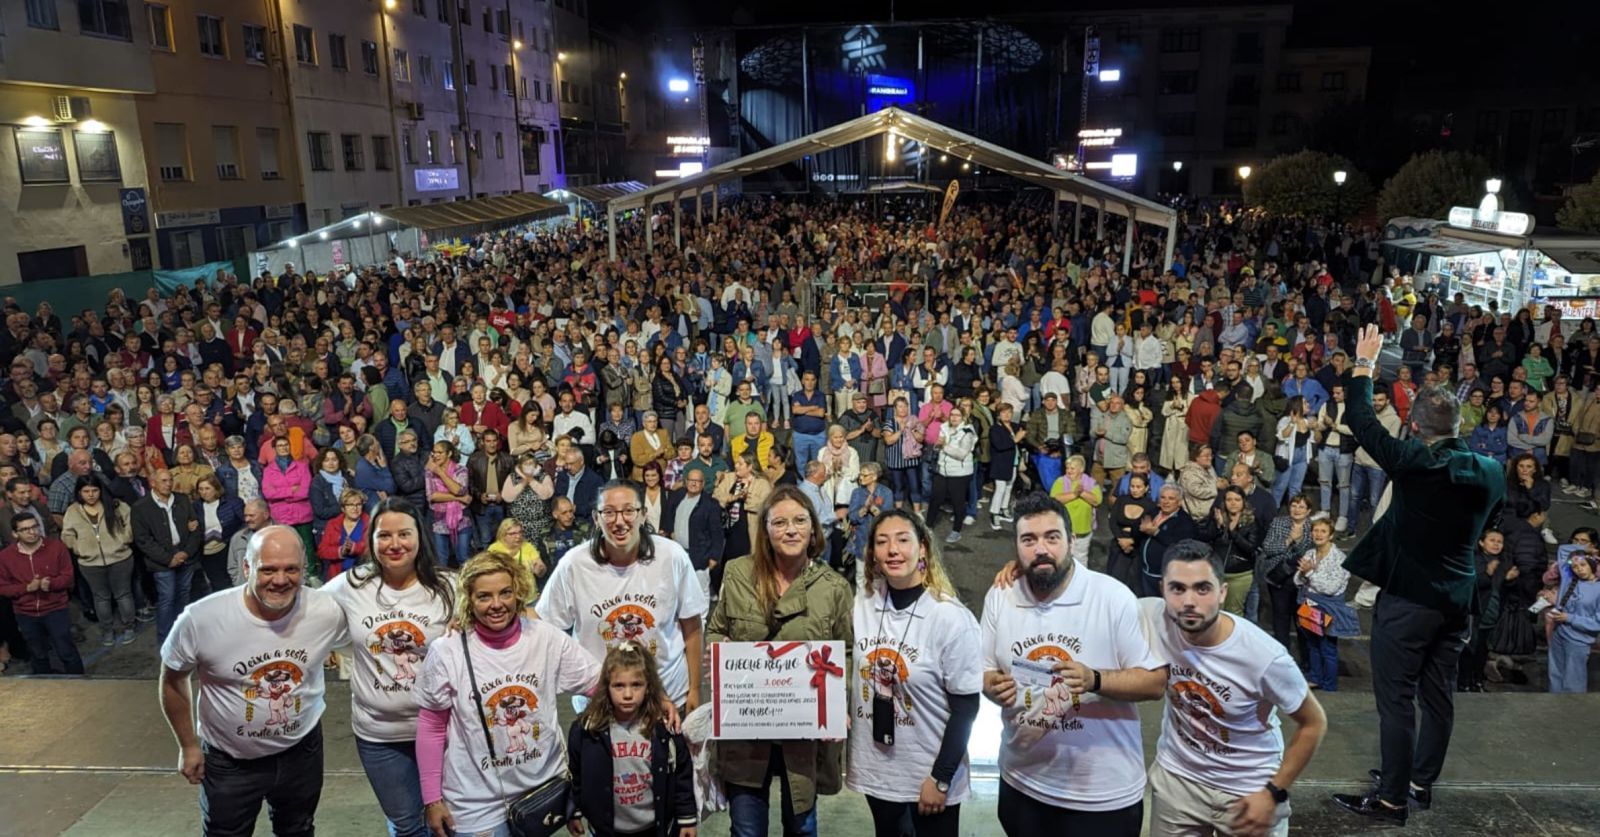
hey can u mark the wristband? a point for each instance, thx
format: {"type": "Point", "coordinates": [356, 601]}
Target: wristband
{"type": "Point", "coordinates": [1096, 687]}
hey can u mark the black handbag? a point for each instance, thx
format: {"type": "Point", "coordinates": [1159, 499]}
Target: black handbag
{"type": "Point", "coordinates": [540, 812]}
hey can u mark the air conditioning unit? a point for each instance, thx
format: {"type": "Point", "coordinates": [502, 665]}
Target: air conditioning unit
{"type": "Point", "coordinates": [414, 111]}
{"type": "Point", "coordinates": [71, 108]}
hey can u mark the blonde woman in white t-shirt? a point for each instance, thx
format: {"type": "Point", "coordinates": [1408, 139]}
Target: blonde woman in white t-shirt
{"type": "Point", "coordinates": [915, 682]}
{"type": "Point", "coordinates": [397, 604]}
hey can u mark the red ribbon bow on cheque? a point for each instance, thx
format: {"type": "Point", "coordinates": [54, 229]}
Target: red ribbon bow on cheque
{"type": "Point", "coordinates": [821, 663]}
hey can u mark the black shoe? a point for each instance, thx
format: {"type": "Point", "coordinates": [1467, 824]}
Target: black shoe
{"type": "Point", "coordinates": [1370, 806]}
{"type": "Point", "coordinates": [1422, 800]}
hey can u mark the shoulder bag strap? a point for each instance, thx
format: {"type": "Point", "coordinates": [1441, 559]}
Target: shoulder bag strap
{"type": "Point", "coordinates": [477, 699]}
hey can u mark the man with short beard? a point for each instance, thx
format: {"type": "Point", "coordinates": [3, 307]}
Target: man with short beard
{"type": "Point", "coordinates": [1220, 760]}
{"type": "Point", "coordinates": [259, 650]}
{"type": "Point", "coordinates": [1071, 760]}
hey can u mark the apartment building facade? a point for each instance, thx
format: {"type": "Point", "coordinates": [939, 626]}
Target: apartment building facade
{"type": "Point", "coordinates": [72, 176]}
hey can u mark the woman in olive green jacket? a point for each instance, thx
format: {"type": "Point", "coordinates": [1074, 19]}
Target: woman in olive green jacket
{"type": "Point", "coordinates": [780, 593]}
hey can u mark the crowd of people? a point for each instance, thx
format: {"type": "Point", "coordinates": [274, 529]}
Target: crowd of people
{"type": "Point", "coordinates": [754, 438]}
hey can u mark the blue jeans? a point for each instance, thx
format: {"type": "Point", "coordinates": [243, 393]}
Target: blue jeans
{"type": "Point", "coordinates": [1322, 657]}
{"type": "Point", "coordinates": [460, 542]}
{"type": "Point", "coordinates": [1290, 481]}
{"type": "Point", "coordinates": [1366, 484]}
{"type": "Point", "coordinates": [748, 807]}
{"type": "Point", "coordinates": [392, 769]}
{"type": "Point", "coordinates": [52, 631]}
{"type": "Point", "coordinates": [1569, 662]}
{"type": "Point", "coordinates": [974, 487]}
{"type": "Point", "coordinates": [806, 448]}
{"type": "Point", "coordinates": [485, 522]}
{"type": "Point", "coordinates": [906, 484]}
{"type": "Point", "coordinates": [1332, 464]}
{"type": "Point", "coordinates": [172, 596]}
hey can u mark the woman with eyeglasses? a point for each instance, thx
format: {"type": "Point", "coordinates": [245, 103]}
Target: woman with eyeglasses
{"type": "Point", "coordinates": [781, 593]}
{"type": "Point", "coordinates": [629, 584]}
{"type": "Point", "coordinates": [344, 538]}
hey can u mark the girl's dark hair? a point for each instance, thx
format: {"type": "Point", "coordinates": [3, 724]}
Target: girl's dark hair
{"type": "Point", "coordinates": [625, 656]}
{"type": "Point", "coordinates": [427, 564]}
{"type": "Point", "coordinates": [113, 523]}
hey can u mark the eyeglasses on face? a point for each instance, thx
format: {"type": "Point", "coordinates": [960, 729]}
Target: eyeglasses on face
{"type": "Point", "coordinates": [610, 515]}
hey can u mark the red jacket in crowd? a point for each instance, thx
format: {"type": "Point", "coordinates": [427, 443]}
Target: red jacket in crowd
{"type": "Point", "coordinates": [18, 569]}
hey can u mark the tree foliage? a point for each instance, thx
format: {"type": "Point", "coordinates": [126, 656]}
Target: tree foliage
{"type": "Point", "coordinates": [1302, 184]}
{"type": "Point", "coordinates": [1582, 210]}
{"type": "Point", "coordinates": [1430, 183]}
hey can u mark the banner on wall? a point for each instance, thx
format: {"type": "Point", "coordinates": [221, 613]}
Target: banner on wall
{"type": "Point", "coordinates": [950, 193]}
{"type": "Point", "coordinates": [170, 280]}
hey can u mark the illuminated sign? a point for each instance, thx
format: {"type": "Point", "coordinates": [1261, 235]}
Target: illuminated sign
{"type": "Point", "coordinates": [829, 177]}
{"type": "Point", "coordinates": [1091, 133]}
{"type": "Point", "coordinates": [678, 85]}
{"type": "Point", "coordinates": [888, 90]}
{"type": "Point", "coordinates": [885, 90]}
{"type": "Point", "coordinates": [436, 180]}
{"type": "Point", "coordinates": [1124, 165]}
{"type": "Point", "coordinates": [688, 145]}
{"type": "Point", "coordinates": [684, 169]}
{"type": "Point", "coordinates": [1502, 223]}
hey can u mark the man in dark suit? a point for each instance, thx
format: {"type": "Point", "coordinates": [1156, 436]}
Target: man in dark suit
{"type": "Point", "coordinates": [168, 537]}
{"type": "Point", "coordinates": [578, 484]}
{"type": "Point", "coordinates": [487, 470]}
{"type": "Point", "coordinates": [1421, 553]}
{"type": "Point", "coordinates": [700, 531]}
{"type": "Point", "coordinates": [1170, 524]}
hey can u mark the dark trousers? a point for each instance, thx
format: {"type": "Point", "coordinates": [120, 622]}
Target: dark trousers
{"type": "Point", "coordinates": [1283, 618]}
{"type": "Point", "coordinates": [1415, 653]}
{"type": "Point", "coordinates": [951, 491]}
{"type": "Point", "coordinates": [900, 819]}
{"type": "Point", "coordinates": [1021, 814]}
{"type": "Point", "coordinates": [290, 782]}
{"type": "Point", "coordinates": [51, 632]}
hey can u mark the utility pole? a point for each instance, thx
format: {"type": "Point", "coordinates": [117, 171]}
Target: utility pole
{"type": "Point", "coordinates": [1091, 66]}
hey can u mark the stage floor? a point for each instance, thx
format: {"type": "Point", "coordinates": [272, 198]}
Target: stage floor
{"type": "Point", "coordinates": [94, 757]}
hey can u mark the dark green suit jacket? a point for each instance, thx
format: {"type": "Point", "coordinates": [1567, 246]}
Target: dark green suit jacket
{"type": "Point", "coordinates": [1423, 548]}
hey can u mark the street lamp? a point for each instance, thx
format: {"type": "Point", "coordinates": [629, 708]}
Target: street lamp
{"type": "Point", "coordinates": [1339, 177]}
{"type": "Point", "coordinates": [1244, 172]}
{"type": "Point", "coordinates": [1177, 165]}
{"type": "Point", "coordinates": [1492, 186]}
{"type": "Point", "coordinates": [1338, 194]}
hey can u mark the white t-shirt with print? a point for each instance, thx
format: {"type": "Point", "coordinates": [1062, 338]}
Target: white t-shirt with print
{"type": "Point", "coordinates": [261, 686]}
{"type": "Point", "coordinates": [914, 657]}
{"type": "Point", "coordinates": [604, 605]}
{"type": "Point", "coordinates": [1220, 723]}
{"type": "Point", "coordinates": [391, 631]}
{"type": "Point", "coordinates": [1086, 755]}
{"type": "Point", "coordinates": [519, 687]}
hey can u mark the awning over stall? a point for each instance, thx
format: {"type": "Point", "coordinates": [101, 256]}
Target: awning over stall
{"type": "Point", "coordinates": [462, 217]}
{"type": "Point", "coordinates": [598, 194]}
{"type": "Point", "coordinates": [1439, 246]}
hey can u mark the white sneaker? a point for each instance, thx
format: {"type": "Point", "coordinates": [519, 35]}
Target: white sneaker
{"type": "Point", "coordinates": [1592, 505]}
{"type": "Point", "coordinates": [1564, 483]}
{"type": "Point", "coordinates": [969, 521]}
{"type": "Point", "coordinates": [1342, 525]}
{"type": "Point", "coordinates": [1549, 536]}
{"type": "Point", "coordinates": [953, 537]}
{"type": "Point", "coordinates": [1567, 488]}
{"type": "Point", "coordinates": [994, 523]}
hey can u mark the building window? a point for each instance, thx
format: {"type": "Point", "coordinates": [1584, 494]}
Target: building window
{"type": "Point", "coordinates": [511, 80]}
{"type": "Point", "coordinates": [97, 156]}
{"type": "Point", "coordinates": [465, 11]}
{"type": "Point", "coordinates": [449, 75]}
{"type": "Point", "coordinates": [338, 57]}
{"type": "Point", "coordinates": [255, 44]}
{"type": "Point", "coordinates": [1179, 83]}
{"type": "Point", "coordinates": [402, 66]}
{"type": "Point", "coordinates": [1180, 39]}
{"type": "Point", "coordinates": [443, 9]}
{"type": "Point", "coordinates": [42, 155]}
{"type": "Point", "coordinates": [1285, 123]}
{"type": "Point", "coordinates": [42, 14]}
{"type": "Point", "coordinates": [502, 19]}
{"type": "Point", "coordinates": [320, 146]}
{"type": "Point", "coordinates": [477, 144]}
{"type": "Point", "coordinates": [566, 91]}
{"type": "Point", "coordinates": [488, 20]}
{"type": "Point", "coordinates": [160, 26]}
{"type": "Point", "coordinates": [1553, 122]}
{"type": "Point", "coordinates": [433, 148]}
{"type": "Point", "coordinates": [354, 158]}
{"type": "Point", "coordinates": [382, 160]}
{"type": "Point", "coordinates": [1239, 131]}
{"type": "Point", "coordinates": [211, 38]}
{"type": "Point", "coordinates": [305, 45]}
{"type": "Point", "coordinates": [1333, 81]}
{"type": "Point", "coordinates": [278, 231]}
{"type": "Point", "coordinates": [225, 145]}
{"type": "Point", "coordinates": [1242, 91]}
{"type": "Point", "coordinates": [188, 248]}
{"type": "Point", "coordinates": [530, 153]}
{"type": "Point", "coordinates": [1247, 48]}
{"type": "Point", "coordinates": [1177, 124]}
{"type": "Point", "coordinates": [233, 242]}
{"type": "Point", "coordinates": [425, 70]}
{"type": "Point", "coordinates": [55, 263]}
{"type": "Point", "coordinates": [172, 151]}
{"type": "Point", "coordinates": [494, 77]}
{"type": "Point", "coordinates": [408, 148]}
{"type": "Point", "coordinates": [523, 93]}
{"type": "Point", "coordinates": [267, 153]}
{"type": "Point", "coordinates": [1288, 82]}
{"type": "Point", "coordinates": [419, 8]}
{"type": "Point", "coordinates": [107, 18]}
{"type": "Point", "coordinates": [369, 58]}
{"type": "Point", "coordinates": [499, 146]}
{"type": "Point", "coordinates": [472, 71]}
{"type": "Point", "coordinates": [455, 148]}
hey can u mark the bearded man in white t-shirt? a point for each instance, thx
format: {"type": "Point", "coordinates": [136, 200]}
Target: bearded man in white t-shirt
{"type": "Point", "coordinates": [1069, 764]}
{"type": "Point", "coordinates": [259, 650]}
{"type": "Point", "coordinates": [1226, 682]}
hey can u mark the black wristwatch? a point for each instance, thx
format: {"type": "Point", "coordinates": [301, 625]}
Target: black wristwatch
{"type": "Point", "coordinates": [1096, 687]}
{"type": "Point", "coordinates": [1279, 795]}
